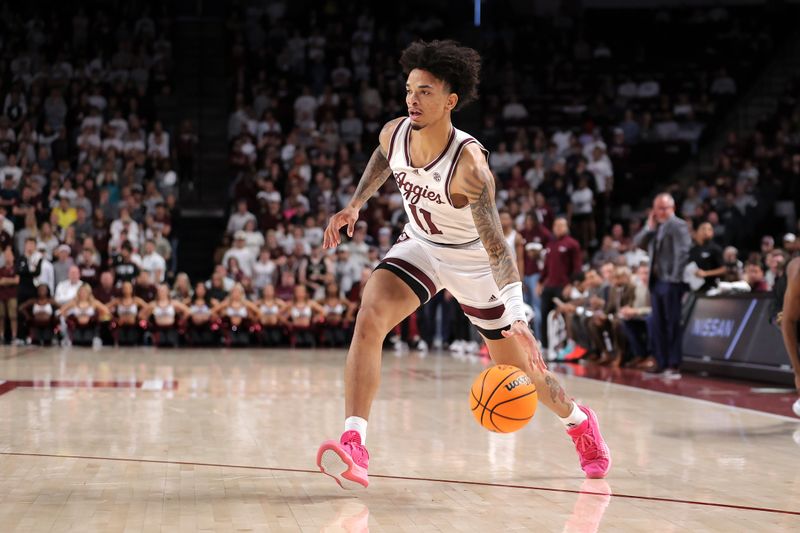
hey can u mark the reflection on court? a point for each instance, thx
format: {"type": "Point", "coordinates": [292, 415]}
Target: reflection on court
{"type": "Point", "coordinates": [215, 440]}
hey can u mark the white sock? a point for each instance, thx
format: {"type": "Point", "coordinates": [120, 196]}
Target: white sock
{"type": "Point", "coordinates": [358, 424]}
{"type": "Point", "coordinates": [575, 418]}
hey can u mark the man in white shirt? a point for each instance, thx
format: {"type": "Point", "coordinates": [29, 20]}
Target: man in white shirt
{"type": "Point", "coordinates": [239, 218]}
{"type": "Point", "coordinates": [153, 263]}
{"type": "Point", "coordinates": [67, 290]}
{"type": "Point", "coordinates": [125, 222]}
{"type": "Point", "coordinates": [242, 253]}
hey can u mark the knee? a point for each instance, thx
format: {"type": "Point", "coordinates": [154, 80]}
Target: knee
{"type": "Point", "coordinates": [372, 321]}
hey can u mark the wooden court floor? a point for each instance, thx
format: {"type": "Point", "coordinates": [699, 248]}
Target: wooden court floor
{"type": "Point", "coordinates": [141, 440]}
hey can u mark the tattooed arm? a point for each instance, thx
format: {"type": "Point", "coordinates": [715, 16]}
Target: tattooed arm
{"type": "Point", "coordinates": [474, 185]}
{"type": "Point", "coordinates": [475, 182]}
{"type": "Point", "coordinates": [377, 169]}
{"type": "Point", "coordinates": [374, 176]}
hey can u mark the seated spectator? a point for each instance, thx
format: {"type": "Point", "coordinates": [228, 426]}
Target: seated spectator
{"type": "Point", "coordinates": [65, 214]}
{"type": "Point", "coordinates": [605, 326]}
{"type": "Point", "coordinates": [67, 290]}
{"type": "Point", "coordinates": [239, 218]}
{"type": "Point", "coordinates": [144, 288]}
{"type": "Point", "coordinates": [635, 324]}
{"type": "Point", "coordinates": [754, 276]}
{"type": "Point", "coordinates": [243, 255]}
{"type": "Point", "coordinates": [608, 252]}
{"type": "Point", "coordinates": [106, 290]}
{"type": "Point", "coordinates": [734, 269]}
{"type": "Point", "coordinates": [217, 290]}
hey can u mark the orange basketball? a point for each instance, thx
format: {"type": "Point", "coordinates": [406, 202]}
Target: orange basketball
{"type": "Point", "coordinates": [503, 398]}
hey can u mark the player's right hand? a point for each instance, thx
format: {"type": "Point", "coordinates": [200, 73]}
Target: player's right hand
{"type": "Point", "coordinates": [346, 217]}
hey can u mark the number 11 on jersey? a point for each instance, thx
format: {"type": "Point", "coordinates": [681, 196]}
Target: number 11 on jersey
{"type": "Point", "coordinates": [429, 227]}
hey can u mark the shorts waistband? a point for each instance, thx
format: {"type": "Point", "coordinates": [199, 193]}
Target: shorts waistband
{"type": "Point", "coordinates": [416, 235]}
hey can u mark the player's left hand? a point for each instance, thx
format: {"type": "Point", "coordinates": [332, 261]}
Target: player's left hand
{"type": "Point", "coordinates": [522, 332]}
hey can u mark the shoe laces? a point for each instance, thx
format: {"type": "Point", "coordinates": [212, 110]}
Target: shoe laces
{"type": "Point", "coordinates": [587, 446]}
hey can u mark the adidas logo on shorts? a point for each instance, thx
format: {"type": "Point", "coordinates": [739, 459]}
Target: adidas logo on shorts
{"type": "Point", "coordinates": [493, 298]}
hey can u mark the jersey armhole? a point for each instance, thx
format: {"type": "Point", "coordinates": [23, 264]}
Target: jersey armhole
{"type": "Point", "coordinates": [394, 137]}
{"type": "Point", "coordinates": [451, 171]}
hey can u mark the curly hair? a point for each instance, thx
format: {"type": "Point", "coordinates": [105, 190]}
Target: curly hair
{"type": "Point", "coordinates": [458, 66]}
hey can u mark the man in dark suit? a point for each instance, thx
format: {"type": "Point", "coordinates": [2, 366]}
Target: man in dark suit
{"type": "Point", "coordinates": [667, 240]}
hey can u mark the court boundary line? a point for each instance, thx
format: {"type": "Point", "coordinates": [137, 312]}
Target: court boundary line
{"type": "Point", "coordinates": [412, 478]}
{"type": "Point", "coordinates": [703, 400]}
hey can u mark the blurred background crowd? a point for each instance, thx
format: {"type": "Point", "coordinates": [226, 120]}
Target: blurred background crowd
{"type": "Point", "coordinates": [584, 125]}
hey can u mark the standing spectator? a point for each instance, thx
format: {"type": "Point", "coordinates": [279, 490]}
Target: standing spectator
{"type": "Point", "coordinates": [563, 260]}
{"type": "Point", "coordinates": [536, 237]}
{"type": "Point", "coordinates": [707, 255]}
{"type": "Point", "coordinates": [153, 263]}
{"type": "Point", "coordinates": [580, 210]}
{"type": "Point", "coordinates": [667, 240]}
{"type": "Point", "coordinates": [9, 283]}
{"type": "Point", "coordinates": [62, 264]}
{"type": "Point", "coordinates": [346, 270]}
{"type": "Point", "coordinates": [124, 267]}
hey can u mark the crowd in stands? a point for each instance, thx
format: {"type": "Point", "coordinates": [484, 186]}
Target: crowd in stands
{"type": "Point", "coordinates": [309, 100]}
{"type": "Point", "coordinates": [88, 194]}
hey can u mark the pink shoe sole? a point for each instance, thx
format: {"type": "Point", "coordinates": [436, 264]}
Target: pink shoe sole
{"type": "Point", "coordinates": [333, 461]}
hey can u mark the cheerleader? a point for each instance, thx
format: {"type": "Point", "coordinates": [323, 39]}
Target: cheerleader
{"type": "Point", "coordinates": [338, 316]}
{"type": "Point", "coordinates": [270, 310]}
{"type": "Point", "coordinates": [200, 331]}
{"type": "Point", "coordinates": [127, 310]}
{"type": "Point", "coordinates": [83, 316]}
{"type": "Point", "coordinates": [302, 317]}
{"type": "Point", "coordinates": [236, 316]}
{"type": "Point", "coordinates": [164, 315]}
{"type": "Point", "coordinates": [40, 314]}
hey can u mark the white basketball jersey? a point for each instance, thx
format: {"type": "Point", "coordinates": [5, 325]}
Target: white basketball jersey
{"type": "Point", "coordinates": [426, 190]}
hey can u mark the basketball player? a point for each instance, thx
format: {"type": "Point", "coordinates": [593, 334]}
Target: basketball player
{"type": "Point", "coordinates": [790, 318]}
{"type": "Point", "coordinates": [453, 241]}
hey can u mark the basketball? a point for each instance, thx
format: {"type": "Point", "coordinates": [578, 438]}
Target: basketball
{"type": "Point", "coordinates": [503, 399]}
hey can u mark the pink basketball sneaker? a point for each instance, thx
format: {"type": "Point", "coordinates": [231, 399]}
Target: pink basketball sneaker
{"type": "Point", "coordinates": [345, 461]}
{"type": "Point", "coordinates": [592, 449]}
